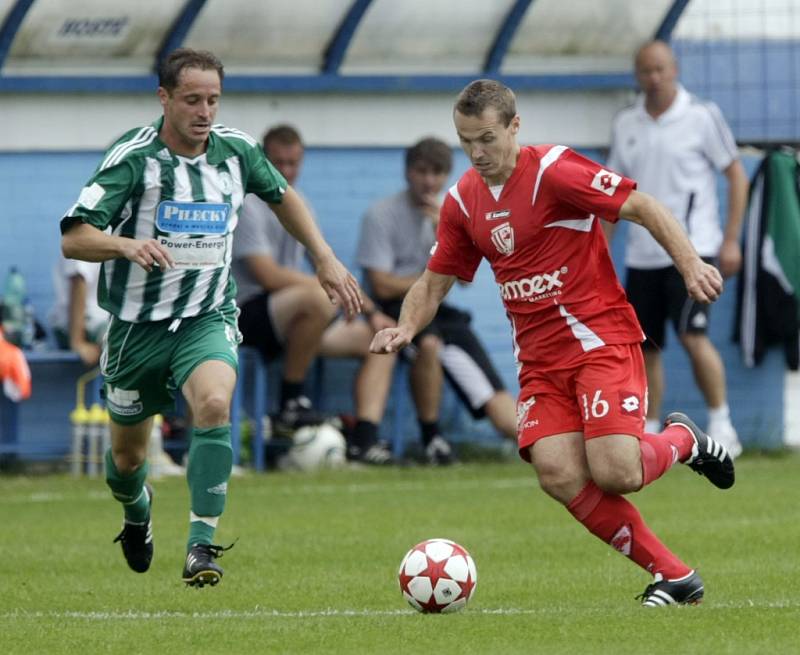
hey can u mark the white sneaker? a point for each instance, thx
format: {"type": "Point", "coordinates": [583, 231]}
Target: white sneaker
{"type": "Point", "coordinates": [161, 464]}
{"type": "Point", "coordinates": [724, 433]}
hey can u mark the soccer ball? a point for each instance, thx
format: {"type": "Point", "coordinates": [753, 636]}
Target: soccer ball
{"type": "Point", "coordinates": [437, 575]}
{"type": "Point", "coordinates": [316, 447]}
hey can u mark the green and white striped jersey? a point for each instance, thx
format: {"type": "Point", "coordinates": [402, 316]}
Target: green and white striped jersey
{"type": "Point", "coordinates": [143, 190]}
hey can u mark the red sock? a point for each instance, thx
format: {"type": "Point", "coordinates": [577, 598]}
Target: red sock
{"type": "Point", "coordinates": [658, 456]}
{"type": "Point", "coordinates": [617, 522]}
{"type": "Point", "coordinates": [680, 437]}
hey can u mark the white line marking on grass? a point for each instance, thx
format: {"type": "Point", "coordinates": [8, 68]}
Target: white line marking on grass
{"type": "Point", "coordinates": [264, 613]}
{"type": "Point", "coordinates": [257, 613]}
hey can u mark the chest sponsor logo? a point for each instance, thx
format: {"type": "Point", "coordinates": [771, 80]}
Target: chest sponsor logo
{"type": "Point", "coordinates": [193, 217]}
{"type": "Point", "coordinates": [535, 287]}
{"type": "Point", "coordinates": [503, 238]}
{"type": "Point", "coordinates": [496, 216]}
{"type": "Point", "coordinates": [606, 181]}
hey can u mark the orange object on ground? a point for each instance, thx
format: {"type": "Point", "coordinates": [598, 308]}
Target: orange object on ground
{"type": "Point", "coordinates": [14, 371]}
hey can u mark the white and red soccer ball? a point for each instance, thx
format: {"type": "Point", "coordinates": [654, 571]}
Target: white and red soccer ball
{"type": "Point", "coordinates": [437, 575]}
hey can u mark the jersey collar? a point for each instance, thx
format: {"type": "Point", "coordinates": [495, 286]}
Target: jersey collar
{"type": "Point", "coordinates": [675, 111]}
{"type": "Point", "coordinates": [213, 153]}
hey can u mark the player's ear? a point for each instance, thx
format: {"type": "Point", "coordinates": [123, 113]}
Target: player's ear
{"type": "Point", "coordinates": [162, 94]}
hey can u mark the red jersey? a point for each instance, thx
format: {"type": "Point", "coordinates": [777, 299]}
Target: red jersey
{"type": "Point", "coordinates": [546, 247]}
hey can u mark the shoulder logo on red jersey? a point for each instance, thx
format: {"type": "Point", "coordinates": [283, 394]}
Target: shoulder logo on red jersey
{"type": "Point", "coordinates": [503, 238]}
{"type": "Point", "coordinates": [495, 216]}
{"type": "Point", "coordinates": [606, 181]}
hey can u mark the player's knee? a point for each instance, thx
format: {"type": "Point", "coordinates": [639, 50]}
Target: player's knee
{"type": "Point", "coordinates": [619, 480]}
{"type": "Point", "coordinates": [128, 461]}
{"type": "Point", "coordinates": [559, 483]}
{"type": "Point", "coordinates": [212, 409]}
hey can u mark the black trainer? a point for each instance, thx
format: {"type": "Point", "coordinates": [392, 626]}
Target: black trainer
{"type": "Point", "coordinates": [684, 591]}
{"type": "Point", "coordinates": [137, 540]}
{"type": "Point", "coordinates": [200, 568]}
{"type": "Point", "coordinates": [296, 413]}
{"type": "Point", "coordinates": [439, 452]}
{"type": "Point", "coordinates": [709, 457]}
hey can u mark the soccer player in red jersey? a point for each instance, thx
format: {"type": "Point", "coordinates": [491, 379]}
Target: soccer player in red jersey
{"type": "Point", "coordinates": [533, 212]}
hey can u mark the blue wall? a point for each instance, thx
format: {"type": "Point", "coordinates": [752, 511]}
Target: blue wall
{"type": "Point", "coordinates": [341, 183]}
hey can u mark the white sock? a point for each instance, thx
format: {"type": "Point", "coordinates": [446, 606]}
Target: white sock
{"type": "Point", "coordinates": [721, 414]}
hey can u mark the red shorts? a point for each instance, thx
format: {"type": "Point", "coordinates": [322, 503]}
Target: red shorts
{"type": "Point", "coordinates": [606, 393]}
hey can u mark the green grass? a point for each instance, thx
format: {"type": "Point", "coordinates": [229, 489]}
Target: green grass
{"type": "Point", "coordinates": [314, 568]}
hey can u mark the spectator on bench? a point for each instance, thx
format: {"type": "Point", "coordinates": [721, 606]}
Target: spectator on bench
{"type": "Point", "coordinates": [77, 321]}
{"type": "Point", "coordinates": [285, 312]}
{"type": "Point", "coordinates": [79, 324]}
{"type": "Point", "coordinates": [397, 235]}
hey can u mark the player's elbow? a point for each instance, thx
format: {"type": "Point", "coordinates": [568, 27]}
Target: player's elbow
{"type": "Point", "coordinates": [68, 247]}
{"type": "Point", "coordinates": [641, 208]}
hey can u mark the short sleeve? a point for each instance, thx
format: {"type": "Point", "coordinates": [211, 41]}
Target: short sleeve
{"type": "Point", "coordinates": [718, 142]}
{"type": "Point", "coordinates": [103, 196]}
{"type": "Point", "coordinates": [454, 252]}
{"type": "Point", "coordinates": [375, 251]}
{"type": "Point", "coordinates": [251, 236]}
{"type": "Point", "coordinates": [581, 183]}
{"type": "Point", "coordinates": [264, 179]}
{"type": "Point", "coordinates": [78, 267]}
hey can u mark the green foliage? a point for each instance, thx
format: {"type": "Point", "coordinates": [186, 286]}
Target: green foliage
{"type": "Point", "coordinates": [314, 568]}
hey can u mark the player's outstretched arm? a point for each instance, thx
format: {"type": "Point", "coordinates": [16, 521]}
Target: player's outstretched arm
{"type": "Point", "coordinates": [340, 285]}
{"type": "Point", "coordinates": [419, 308]}
{"type": "Point", "coordinates": [703, 281]}
{"type": "Point", "coordinates": [85, 242]}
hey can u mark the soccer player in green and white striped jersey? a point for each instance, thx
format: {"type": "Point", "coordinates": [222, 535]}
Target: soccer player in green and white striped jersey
{"type": "Point", "coordinates": [171, 193]}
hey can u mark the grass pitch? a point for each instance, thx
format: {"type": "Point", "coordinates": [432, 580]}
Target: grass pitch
{"type": "Point", "coordinates": [314, 569]}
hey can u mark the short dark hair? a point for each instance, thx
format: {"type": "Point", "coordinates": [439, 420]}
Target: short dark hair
{"type": "Point", "coordinates": [480, 95]}
{"type": "Point", "coordinates": [169, 70]}
{"type": "Point", "coordinates": [431, 151]}
{"type": "Point", "coordinates": [285, 135]}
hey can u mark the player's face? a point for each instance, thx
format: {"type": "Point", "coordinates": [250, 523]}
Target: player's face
{"type": "Point", "coordinates": [189, 110]}
{"type": "Point", "coordinates": [656, 71]}
{"type": "Point", "coordinates": [287, 158]}
{"type": "Point", "coordinates": [425, 183]}
{"type": "Point", "coordinates": [490, 145]}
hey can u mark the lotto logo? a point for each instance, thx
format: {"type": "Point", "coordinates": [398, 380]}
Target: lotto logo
{"type": "Point", "coordinates": [629, 402]}
{"type": "Point", "coordinates": [606, 181]}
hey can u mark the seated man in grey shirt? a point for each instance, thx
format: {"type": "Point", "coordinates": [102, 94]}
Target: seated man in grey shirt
{"type": "Point", "coordinates": [284, 311]}
{"type": "Point", "coordinates": [397, 235]}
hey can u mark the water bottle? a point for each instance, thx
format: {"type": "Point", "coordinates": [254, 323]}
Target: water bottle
{"type": "Point", "coordinates": [14, 306]}
{"type": "Point", "coordinates": [28, 325]}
